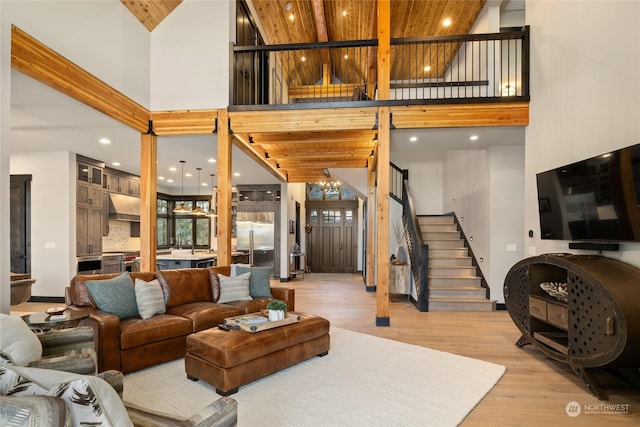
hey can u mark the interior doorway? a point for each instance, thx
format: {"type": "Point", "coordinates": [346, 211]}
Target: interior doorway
{"type": "Point", "coordinates": [332, 240]}
{"type": "Point", "coordinates": [20, 223]}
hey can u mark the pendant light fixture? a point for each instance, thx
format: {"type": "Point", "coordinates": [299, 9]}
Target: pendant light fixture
{"type": "Point", "coordinates": [198, 210]}
{"type": "Point", "coordinates": [212, 211]}
{"type": "Point", "coordinates": [181, 208]}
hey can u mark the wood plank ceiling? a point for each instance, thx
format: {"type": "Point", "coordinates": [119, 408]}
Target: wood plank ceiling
{"type": "Point", "coordinates": [305, 155]}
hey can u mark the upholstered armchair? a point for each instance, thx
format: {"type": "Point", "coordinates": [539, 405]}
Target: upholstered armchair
{"type": "Point", "coordinates": [32, 396]}
{"type": "Point", "coordinates": [70, 350]}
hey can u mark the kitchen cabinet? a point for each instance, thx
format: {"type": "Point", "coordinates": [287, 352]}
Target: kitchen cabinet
{"type": "Point", "coordinates": [123, 185]}
{"type": "Point", "coordinates": [88, 195]}
{"type": "Point", "coordinates": [88, 230]}
{"type": "Point", "coordinates": [90, 173]}
{"type": "Point", "coordinates": [112, 263]}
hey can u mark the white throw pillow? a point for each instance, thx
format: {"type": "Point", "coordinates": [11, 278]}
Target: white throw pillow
{"type": "Point", "coordinates": [91, 400]}
{"type": "Point", "coordinates": [18, 343]}
{"type": "Point", "coordinates": [234, 288]}
{"type": "Point", "coordinates": [149, 298]}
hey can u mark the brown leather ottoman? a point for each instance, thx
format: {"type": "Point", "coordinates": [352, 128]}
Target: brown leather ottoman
{"type": "Point", "coordinates": [229, 359]}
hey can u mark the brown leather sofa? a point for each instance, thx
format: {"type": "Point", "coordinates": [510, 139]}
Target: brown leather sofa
{"type": "Point", "coordinates": [190, 297]}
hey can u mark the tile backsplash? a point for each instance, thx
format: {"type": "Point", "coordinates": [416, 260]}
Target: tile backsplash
{"type": "Point", "coordinates": [119, 238]}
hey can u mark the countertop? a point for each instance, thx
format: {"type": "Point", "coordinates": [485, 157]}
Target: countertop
{"type": "Point", "coordinates": [188, 256]}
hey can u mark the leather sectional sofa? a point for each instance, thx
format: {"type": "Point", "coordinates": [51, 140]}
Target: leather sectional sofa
{"type": "Point", "coordinates": [190, 297]}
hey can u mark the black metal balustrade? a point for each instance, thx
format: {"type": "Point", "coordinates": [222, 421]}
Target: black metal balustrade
{"type": "Point", "coordinates": [464, 68]}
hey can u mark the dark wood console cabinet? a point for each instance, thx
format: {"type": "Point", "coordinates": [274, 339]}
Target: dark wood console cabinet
{"type": "Point", "coordinates": [598, 326]}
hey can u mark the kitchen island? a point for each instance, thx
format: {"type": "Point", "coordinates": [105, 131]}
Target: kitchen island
{"type": "Point", "coordinates": [186, 259]}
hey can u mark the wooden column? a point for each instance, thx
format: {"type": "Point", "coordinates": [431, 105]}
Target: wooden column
{"type": "Point", "coordinates": [148, 196]}
{"type": "Point", "coordinates": [383, 167]}
{"type": "Point", "coordinates": [371, 225]}
{"type": "Point", "coordinates": [223, 208]}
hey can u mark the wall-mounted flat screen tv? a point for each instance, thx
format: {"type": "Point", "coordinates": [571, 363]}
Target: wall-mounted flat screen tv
{"type": "Point", "coordinates": [597, 199]}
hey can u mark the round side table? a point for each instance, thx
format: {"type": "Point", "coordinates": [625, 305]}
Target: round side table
{"type": "Point", "coordinates": [44, 321]}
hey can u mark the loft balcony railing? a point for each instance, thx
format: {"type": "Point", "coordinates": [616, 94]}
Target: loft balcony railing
{"type": "Point", "coordinates": [428, 70]}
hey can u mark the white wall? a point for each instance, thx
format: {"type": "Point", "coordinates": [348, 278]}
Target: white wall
{"type": "Point", "coordinates": [290, 194]}
{"type": "Point", "coordinates": [53, 218]}
{"type": "Point", "coordinates": [585, 94]}
{"type": "Point", "coordinates": [425, 179]}
{"type": "Point", "coordinates": [506, 214]}
{"type": "Point", "coordinates": [190, 69]}
{"type": "Point", "coordinates": [100, 36]}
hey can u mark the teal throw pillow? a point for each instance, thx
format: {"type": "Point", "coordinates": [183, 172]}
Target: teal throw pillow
{"type": "Point", "coordinates": [116, 296]}
{"type": "Point", "coordinates": [259, 285]}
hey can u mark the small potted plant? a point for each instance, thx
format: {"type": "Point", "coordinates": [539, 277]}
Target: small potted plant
{"type": "Point", "coordinates": [276, 309]}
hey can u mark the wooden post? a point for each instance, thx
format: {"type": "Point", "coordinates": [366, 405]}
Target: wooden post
{"type": "Point", "coordinates": [383, 167]}
{"type": "Point", "coordinates": [223, 208]}
{"type": "Point", "coordinates": [148, 196]}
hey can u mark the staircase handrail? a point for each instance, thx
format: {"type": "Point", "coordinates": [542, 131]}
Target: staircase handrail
{"type": "Point", "coordinates": [418, 251]}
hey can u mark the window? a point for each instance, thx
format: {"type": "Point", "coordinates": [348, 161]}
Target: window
{"type": "Point", "coordinates": [182, 230]}
{"type": "Point", "coordinates": [331, 216]}
{"type": "Point", "coordinates": [329, 191]}
{"type": "Point", "coordinates": [162, 222]}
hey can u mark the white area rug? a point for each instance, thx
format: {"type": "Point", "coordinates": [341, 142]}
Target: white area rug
{"type": "Point", "coordinates": [363, 381]}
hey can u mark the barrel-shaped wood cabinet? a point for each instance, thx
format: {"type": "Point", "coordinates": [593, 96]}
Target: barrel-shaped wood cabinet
{"type": "Point", "coordinates": [583, 310]}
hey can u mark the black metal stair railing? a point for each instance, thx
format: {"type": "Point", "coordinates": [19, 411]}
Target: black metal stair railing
{"type": "Point", "coordinates": [417, 250]}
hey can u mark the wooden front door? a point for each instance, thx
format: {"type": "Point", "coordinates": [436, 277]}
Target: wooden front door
{"type": "Point", "coordinates": [331, 244]}
{"type": "Point", "coordinates": [20, 226]}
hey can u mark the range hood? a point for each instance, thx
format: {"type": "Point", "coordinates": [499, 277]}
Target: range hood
{"type": "Point", "coordinates": [124, 208]}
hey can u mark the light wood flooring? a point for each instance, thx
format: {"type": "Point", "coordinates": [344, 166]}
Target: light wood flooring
{"type": "Point", "coordinates": [534, 390]}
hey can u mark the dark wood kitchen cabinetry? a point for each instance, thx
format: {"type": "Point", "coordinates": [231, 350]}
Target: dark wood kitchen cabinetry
{"type": "Point", "coordinates": [90, 207]}
{"type": "Point", "coordinates": [89, 223]}
{"type": "Point", "coordinates": [117, 182]}
{"type": "Point", "coordinates": [587, 317]}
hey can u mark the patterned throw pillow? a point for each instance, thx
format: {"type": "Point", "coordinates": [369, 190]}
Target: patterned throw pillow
{"type": "Point", "coordinates": [91, 400]}
{"type": "Point", "coordinates": [259, 285]}
{"type": "Point", "coordinates": [149, 298]}
{"type": "Point", "coordinates": [116, 296]}
{"type": "Point", "coordinates": [234, 288]}
{"type": "Point", "coordinates": [18, 344]}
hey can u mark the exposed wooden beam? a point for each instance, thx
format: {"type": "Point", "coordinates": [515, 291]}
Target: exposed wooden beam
{"type": "Point", "coordinates": [184, 122]}
{"type": "Point", "coordinates": [315, 137]}
{"type": "Point", "coordinates": [384, 48]}
{"type": "Point", "coordinates": [461, 115]}
{"type": "Point", "coordinates": [362, 118]}
{"type": "Point", "coordinates": [258, 154]}
{"type": "Point", "coordinates": [326, 153]}
{"type": "Point", "coordinates": [371, 226]}
{"type": "Point", "coordinates": [317, 7]}
{"type": "Point", "coordinates": [36, 60]}
{"type": "Point", "coordinates": [325, 163]}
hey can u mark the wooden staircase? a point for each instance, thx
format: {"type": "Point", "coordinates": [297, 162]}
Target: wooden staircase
{"type": "Point", "coordinates": [453, 281]}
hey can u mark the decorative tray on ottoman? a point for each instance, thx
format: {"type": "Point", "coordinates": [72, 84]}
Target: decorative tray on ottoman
{"type": "Point", "coordinates": [256, 322]}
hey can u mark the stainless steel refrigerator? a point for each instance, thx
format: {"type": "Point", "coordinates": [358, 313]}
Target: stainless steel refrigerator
{"type": "Point", "coordinates": [256, 235]}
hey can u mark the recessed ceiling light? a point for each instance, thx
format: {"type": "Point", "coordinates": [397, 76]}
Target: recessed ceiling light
{"type": "Point", "coordinates": [188, 174]}
{"type": "Point", "coordinates": [346, 56]}
{"type": "Point", "coordinates": [427, 68]}
{"type": "Point", "coordinates": [413, 139]}
{"type": "Point", "coordinates": [446, 22]}
{"type": "Point", "coordinates": [288, 5]}
{"type": "Point", "coordinates": [169, 180]}
{"type": "Point", "coordinates": [173, 169]}
{"type": "Point", "coordinates": [604, 156]}
{"type": "Point", "coordinates": [236, 174]}
{"type": "Point", "coordinates": [211, 160]}
{"type": "Point", "coordinates": [304, 58]}
{"type": "Point", "coordinates": [344, 13]}
{"type": "Point", "coordinates": [115, 163]}
{"type": "Point", "coordinates": [473, 137]}
{"type": "Point", "coordinates": [291, 17]}
{"type": "Point", "coordinates": [104, 141]}
{"type": "Point", "coordinates": [161, 178]}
